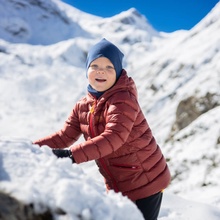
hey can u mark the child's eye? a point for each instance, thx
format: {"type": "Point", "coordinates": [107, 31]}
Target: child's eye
{"type": "Point", "coordinates": [109, 67]}
{"type": "Point", "coordinates": [94, 67]}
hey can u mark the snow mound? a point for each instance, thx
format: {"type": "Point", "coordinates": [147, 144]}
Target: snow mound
{"type": "Point", "coordinates": [35, 175]}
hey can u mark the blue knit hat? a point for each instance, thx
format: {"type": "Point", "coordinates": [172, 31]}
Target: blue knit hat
{"type": "Point", "coordinates": [106, 49]}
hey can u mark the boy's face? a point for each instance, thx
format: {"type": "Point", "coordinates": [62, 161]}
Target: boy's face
{"type": "Point", "coordinates": [101, 74]}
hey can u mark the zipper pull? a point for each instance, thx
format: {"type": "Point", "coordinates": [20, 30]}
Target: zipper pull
{"type": "Point", "coordinates": [92, 109]}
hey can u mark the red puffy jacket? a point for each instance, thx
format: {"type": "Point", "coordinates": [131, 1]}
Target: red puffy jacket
{"type": "Point", "coordinates": [119, 138]}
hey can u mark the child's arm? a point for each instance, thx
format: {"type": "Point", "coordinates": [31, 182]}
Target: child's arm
{"type": "Point", "coordinates": [69, 134]}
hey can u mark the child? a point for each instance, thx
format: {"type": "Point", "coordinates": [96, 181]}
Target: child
{"type": "Point", "coordinates": [117, 135]}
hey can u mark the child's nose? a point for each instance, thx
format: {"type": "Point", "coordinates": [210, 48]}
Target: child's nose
{"type": "Point", "coordinates": [101, 70]}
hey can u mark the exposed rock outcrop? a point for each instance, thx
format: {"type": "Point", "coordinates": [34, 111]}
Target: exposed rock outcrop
{"type": "Point", "coordinates": [191, 108]}
{"type": "Point", "coordinates": [13, 209]}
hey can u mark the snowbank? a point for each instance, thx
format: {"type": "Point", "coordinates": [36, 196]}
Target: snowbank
{"type": "Point", "coordinates": [35, 175]}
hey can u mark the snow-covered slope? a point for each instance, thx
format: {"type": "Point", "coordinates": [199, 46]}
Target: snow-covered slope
{"type": "Point", "coordinates": [182, 102]}
{"type": "Point", "coordinates": [36, 22]}
{"type": "Point", "coordinates": [42, 75]}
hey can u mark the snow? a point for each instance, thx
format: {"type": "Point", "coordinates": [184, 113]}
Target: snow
{"type": "Point", "coordinates": [34, 174]}
{"type": "Point", "coordinates": [42, 75]}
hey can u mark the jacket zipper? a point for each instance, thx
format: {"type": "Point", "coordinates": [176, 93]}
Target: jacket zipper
{"type": "Point", "coordinates": [133, 167]}
{"type": "Point", "coordinates": [100, 159]}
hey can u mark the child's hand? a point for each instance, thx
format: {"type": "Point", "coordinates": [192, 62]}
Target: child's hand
{"type": "Point", "coordinates": [60, 153]}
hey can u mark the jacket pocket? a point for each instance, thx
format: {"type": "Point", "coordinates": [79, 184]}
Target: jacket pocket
{"type": "Point", "coordinates": [125, 172]}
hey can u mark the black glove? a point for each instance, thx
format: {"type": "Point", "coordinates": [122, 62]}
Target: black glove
{"type": "Point", "coordinates": [60, 153]}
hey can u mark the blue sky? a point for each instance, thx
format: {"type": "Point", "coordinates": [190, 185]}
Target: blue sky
{"type": "Point", "coordinates": [163, 15]}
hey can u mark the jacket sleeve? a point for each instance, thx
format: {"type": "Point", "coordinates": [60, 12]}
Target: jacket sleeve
{"type": "Point", "coordinates": [120, 117]}
{"type": "Point", "coordinates": [69, 134]}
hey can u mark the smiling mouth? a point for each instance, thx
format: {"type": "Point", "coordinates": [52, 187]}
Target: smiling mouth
{"type": "Point", "coordinates": [100, 80]}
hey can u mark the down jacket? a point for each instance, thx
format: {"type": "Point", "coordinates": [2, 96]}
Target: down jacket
{"type": "Point", "coordinates": [119, 138]}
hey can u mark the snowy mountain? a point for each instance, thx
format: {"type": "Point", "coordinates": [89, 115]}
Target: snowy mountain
{"type": "Point", "coordinates": [43, 47]}
{"type": "Point", "coordinates": [36, 22]}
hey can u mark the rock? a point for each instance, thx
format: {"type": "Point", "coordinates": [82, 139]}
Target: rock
{"type": "Point", "coordinates": [191, 108]}
{"type": "Point", "coordinates": [13, 209]}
